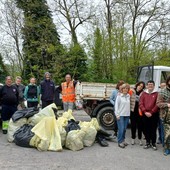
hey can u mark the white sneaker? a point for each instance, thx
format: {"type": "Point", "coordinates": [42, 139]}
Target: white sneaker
{"type": "Point", "coordinates": [133, 141]}
{"type": "Point", "coordinates": [140, 142]}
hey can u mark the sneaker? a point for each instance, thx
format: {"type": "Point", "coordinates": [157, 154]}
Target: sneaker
{"type": "Point", "coordinates": [140, 142]}
{"type": "Point", "coordinates": [4, 131]}
{"type": "Point", "coordinates": [125, 143]}
{"type": "Point", "coordinates": [133, 141]}
{"type": "Point", "coordinates": [147, 146]}
{"type": "Point", "coordinates": [166, 152]}
{"type": "Point", "coordinates": [121, 145]}
{"type": "Point", "coordinates": [154, 147]}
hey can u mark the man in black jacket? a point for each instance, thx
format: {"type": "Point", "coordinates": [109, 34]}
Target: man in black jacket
{"type": "Point", "coordinates": [47, 90]}
{"type": "Point", "coordinates": [9, 98]}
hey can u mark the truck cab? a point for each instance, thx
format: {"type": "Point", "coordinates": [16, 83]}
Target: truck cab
{"type": "Point", "coordinates": [158, 74]}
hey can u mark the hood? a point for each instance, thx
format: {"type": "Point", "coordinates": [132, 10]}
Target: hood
{"type": "Point", "coordinates": [154, 91]}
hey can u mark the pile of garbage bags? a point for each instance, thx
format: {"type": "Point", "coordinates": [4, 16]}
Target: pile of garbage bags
{"type": "Point", "coordinates": [46, 130]}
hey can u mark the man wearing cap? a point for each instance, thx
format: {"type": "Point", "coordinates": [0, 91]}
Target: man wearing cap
{"type": "Point", "coordinates": [47, 90]}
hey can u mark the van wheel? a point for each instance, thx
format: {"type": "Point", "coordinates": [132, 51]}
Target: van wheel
{"type": "Point", "coordinates": [106, 118]}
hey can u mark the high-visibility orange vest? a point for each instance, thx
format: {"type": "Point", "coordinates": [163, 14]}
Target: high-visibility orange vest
{"type": "Point", "coordinates": [68, 92]}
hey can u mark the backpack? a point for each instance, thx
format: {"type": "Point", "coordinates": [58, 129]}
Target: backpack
{"type": "Point", "coordinates": [32, 91]}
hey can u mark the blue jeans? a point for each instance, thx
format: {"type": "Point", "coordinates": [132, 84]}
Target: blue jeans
{"type": "Point", "coordinates": [122, 124]}
{"type": "Point", "coordinates": [161, 131]}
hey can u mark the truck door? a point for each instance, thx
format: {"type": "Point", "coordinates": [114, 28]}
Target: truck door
{"type": "Point", "coordinates": [145, 73]}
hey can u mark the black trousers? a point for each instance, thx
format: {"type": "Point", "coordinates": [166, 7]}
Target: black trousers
{"type": "Point", "coordinates": [46, 103]}
{"type": "Point", "coordinates": [136, 124]}
{"type": "Point", "coordinates": [32, 104]}
{"type": "Point", "coordinates": [150, 127]}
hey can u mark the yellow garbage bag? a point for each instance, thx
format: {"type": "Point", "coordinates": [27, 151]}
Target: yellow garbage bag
{"type": "Point", "coordinates": [68, 115]}
{"type": "Point", "coordinates": [47, 136]}
{"type": "Point", "coordinates": [90, 133]}
{"type": "Point", "coordinates": [62, 123]}
{"type": "Point", "coordinates": [13, 127]}
{"type": "Point", "coordinates": [95, 123]}
{"type": "Point", "coordinates": [74, 140]}
{"type": "Point", "coordinates": [46, 112]}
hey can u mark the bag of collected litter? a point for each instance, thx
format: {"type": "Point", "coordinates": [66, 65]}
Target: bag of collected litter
{"type": "Point", "coordinates": [47, 136]}
{"type": "Point", "coordinates": [68, 115]}
{"type": "Point", "coordinates": [72, 125]}
{"type": "Point", "coordinates": [74, 140]}
{"type": "Point", "coordinates": [13, 127]}
{"type": "Point", "coordinates": [46, 112]}
{"type": "Point", "coordinates": [90, 133]}
{"type": "Point", "coordinates": [79, 104]}
{"type": "Point", "coordinates": [62, 123]}
{"type": "Point", "coordinates": [95, 123]}
{"type": "Point", "coordinates": [25, 113]}
{"type": "Point", "coordinates": [23, 136]}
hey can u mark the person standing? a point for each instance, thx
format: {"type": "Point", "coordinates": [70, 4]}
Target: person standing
{"type": "Point", "coordinates": [9, 98]}
{"type": "Point", "coordinates": [163, 102]}
{"type": "Point", "coordinates": [160, 123]}
{"type": "Point", "coordinates": [147, 105]}
{"type": "Point", "coordinates": [18, 84]}
{"type": "Point", "coordinates": [113, 99]}
{"type": "Point", "coordinates": [135, 118]}
{"type": "Point", "coordinates": [31, 93]}
{"type": "Point", "coordinates": [47, 90]}
{"type": "Point", "coordinates": [68, 93]}
{"type": "Point", "coordinates": [122, 112]}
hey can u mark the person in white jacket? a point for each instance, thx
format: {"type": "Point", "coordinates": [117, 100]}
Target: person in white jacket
{"type": "Point", "coordinates": [122, 112]}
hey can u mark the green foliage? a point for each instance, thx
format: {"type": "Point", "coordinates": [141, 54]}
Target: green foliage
{"type": "Point", "coordinates": [74, 62]}
{"type": "Point", "coordinates": [41, 45]}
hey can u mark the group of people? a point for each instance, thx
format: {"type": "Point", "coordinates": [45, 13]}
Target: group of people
{"type": "Point", "coordinates": [142, 105]}
{"type": "Point", "coordinates": [13, 96]}
{"type": "Point", "coordinates": [147, 110]}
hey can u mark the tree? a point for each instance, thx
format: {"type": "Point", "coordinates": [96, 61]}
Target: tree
{"type": "Point", "coordinates": [72, 14]}
{"type": "Point", "coordinates": [41, 42]}
{"type": "Point", "coordinates": [11, 31]}
{"type": "Point", "coordinates": [3, 70]}
{"type": "Point", "coordinates": [148, 19]}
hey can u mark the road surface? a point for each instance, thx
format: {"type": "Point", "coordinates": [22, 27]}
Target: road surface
{"type": "Point", "coordinates": [13, 157]}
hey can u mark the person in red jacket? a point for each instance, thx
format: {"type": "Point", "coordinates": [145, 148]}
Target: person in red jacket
{"type": "Point", "coordinates": [149, 109]}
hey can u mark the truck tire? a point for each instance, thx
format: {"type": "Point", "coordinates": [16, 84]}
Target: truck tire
{"type": "Point", "coordinates": [106, 118]}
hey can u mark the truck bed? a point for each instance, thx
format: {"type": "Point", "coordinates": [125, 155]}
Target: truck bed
{"type": "Point", "coordinates": [95, 91]}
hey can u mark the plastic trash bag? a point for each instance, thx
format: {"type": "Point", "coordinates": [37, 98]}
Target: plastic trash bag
{"type": "Point", "coordinates": [46, 112]}
{"type": "Point", "coordinates": [79, 104]}
{"type": "Point", "coordinates": [23, 136]}
{"type": "Point", "coordinates": [68, 115]}
{"type": "Point", "coordinates": [25, 113]}
{"type": "Point", "coordinates": [13, 127]}
{"type": "Point", "coordinates": [72, 125]}
{"type": "Point", "coordinates": [47, 134]}
{"type": "Point", "coordinates": [74, 140]}
{"type": "Point", "coordinates": [90, 133]}
{"type": "Point", "coordinates": [62, 123]}
{"type": "Point", "coordinates": [95, 123]}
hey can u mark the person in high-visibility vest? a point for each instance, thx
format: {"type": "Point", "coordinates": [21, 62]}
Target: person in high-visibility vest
{"type": "Point", "coordinates": [68, 93]}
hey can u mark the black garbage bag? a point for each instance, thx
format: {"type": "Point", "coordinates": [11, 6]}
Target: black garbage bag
{"type": "Point", "coordinates": [25, 113]}
{"type": "Point", "coordinates": [23, 136]}
{"type": "Point", "coordinates": [72, 125]}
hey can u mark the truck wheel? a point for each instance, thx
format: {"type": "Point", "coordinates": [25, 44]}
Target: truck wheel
{"type": "Point", "coordinates": [106, 118]}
